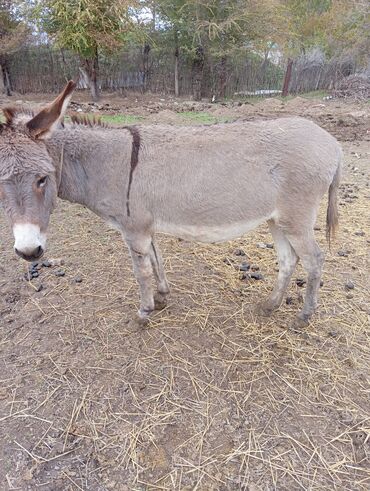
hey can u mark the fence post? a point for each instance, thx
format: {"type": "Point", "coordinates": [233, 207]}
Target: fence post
{"type": "Point", "coordinates": [288, 75]}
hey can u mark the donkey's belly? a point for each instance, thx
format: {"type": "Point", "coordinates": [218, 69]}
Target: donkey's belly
{"type": "Point", "coordinates": [207, 233]}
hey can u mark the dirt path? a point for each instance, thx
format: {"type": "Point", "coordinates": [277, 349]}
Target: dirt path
{"type": "Point", "coordinates": [208, 397]}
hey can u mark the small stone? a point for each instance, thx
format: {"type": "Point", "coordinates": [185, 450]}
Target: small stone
{"type": "Point", "coordinates": [78, 279]}
{"type": "Point", "coordinates": [289, 300]}
{"type": "Point", "coordinates": [300, 282]}
{"type": "Point", "coordinates": [35, 274]}
{"type": "Point", "coordinates": [239, 252]}
{"type": "Point", "coordinates": [317, 228]}
{"type": "Point", "coordinates": [349, 285]}
{"type": "Point", "coordinates": [333, 334]}
{"type": "Point", "coordinates": [56, 262]}
{"type": "Point", "coordinates": [360, 233]}
{"type": "Point", "coordinates": [342, 253]}
{"type": "Point", "coordinates": [257, 276]}
{"type": "Point", "coordinates": [60, 273]}
{"type": "Point", "coordinates": [349, 296]}
{"type": "Point", "coordinates": [46, 264]}
{"type": "Point", "coordinates": [270, 246]}
{"type": "Point", "coordinates": [261, 245]}
{"type": "Point", "coordinates": [244, 267]}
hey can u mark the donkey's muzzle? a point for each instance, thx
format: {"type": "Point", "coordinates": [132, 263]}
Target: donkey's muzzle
{"type": "Point", "coordinates": [31, 255]}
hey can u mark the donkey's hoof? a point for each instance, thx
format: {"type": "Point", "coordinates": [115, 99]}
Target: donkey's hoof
{"type": "Point", "coordinates": [138, 322]}
{"type": "Point", "coordinates": [141, 319]}
{"type": "Point", "coordinates": [264, 309]}
{"type": "Point", "coordinates": [160, 301]}
{"type": "Point", "coordinates": [299, 322]}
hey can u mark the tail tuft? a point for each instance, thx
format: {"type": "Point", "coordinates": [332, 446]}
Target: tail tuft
{"type": "Point", "coordinates": [332, 210]}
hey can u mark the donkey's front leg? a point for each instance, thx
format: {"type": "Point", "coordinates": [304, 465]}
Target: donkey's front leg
{"type": "Point", "coordinates": [160, 297]}
{"type": "Point", "coordinates": [140, 254]}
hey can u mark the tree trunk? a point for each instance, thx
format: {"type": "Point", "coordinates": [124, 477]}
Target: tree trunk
{"type": "Point", "coordinates": [90, 69]}
{"type": "Point", "coordinates": [146, 67]}
{"type": "Point", "coordinates": [177, 93]}
{"type": "Point", "coordinates": [288, 75]}
{"type": "Point", "coordinates": [222, 90]}
{"type": "Point", "coordinates": [6, 77]}
{"type": "Point", "coordinates": [197, 75]}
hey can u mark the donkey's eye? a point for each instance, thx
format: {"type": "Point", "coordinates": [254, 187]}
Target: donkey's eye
{"type": "Point", "coordinates": [41, 182]}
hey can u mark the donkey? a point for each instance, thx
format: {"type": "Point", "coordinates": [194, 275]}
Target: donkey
{"type": "Point", "coordinates": [208, 184]}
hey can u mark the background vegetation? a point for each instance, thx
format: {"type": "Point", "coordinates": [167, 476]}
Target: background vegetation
{"type": "Point", "coordinates": [198, 47]}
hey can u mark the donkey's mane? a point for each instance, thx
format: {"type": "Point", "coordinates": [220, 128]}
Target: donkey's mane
{"type": "Point", "coordinates": [90, 122]}
{"type": "Point", "coordinates": [13, 112]}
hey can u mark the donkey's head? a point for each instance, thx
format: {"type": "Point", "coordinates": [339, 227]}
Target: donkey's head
{"type": "Point", "coordinates": [28, 181]}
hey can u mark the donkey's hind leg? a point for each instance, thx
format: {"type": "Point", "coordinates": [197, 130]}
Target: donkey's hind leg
{"type": "Point", "coordinates": [160, 297]}
{"type": "Point", "coordinates": [287, 259]}
{"type": "Point", "coordinates": [312, 260]}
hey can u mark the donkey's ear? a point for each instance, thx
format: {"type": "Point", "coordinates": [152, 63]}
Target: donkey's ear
{"type": "Point", "coordinates": [46, 121]}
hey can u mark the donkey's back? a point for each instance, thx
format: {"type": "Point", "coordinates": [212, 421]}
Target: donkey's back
{"type": "Point", "coordinates": [215, 183]}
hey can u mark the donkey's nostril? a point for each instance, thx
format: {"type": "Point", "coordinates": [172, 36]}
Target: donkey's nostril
{"type": "Point", "coordinates": [39, 251]}
{"type": "Point", "coordinates": [31, 255]}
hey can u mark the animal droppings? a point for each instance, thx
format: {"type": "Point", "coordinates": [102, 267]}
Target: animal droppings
{"type": "Point", "coordinates": [239, 252]}
{"type": "Point", "coordinates": [257, 276]}
{"type": "Point", "coordinates": [60, 273]}
{"type": "Point", "coordinates": [244, 267]}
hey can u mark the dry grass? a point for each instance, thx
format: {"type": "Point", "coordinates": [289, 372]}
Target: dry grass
{"type": "Point", "coordinates": [209, 396]}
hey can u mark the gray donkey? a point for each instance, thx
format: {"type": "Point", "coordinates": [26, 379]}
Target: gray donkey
{"type": "Point", "coordinates": [208, 184]}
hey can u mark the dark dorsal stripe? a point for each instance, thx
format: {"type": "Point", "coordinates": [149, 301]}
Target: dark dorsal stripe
{"type": "Point", "coordinates": [136, 140]}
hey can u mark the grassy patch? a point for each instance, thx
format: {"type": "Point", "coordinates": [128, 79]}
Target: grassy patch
{"type": "Point", "coordinates": [202, 117]}
{"type": "Point", "coordinates": [121, 118]}
{"type": "Point", "coordinates": [198, 117]}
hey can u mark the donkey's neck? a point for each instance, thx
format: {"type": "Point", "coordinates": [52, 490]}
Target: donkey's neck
{"type": "Point", "coordinates": [71, 175]}
{"type": "Point", "coordinates": [89, 164]}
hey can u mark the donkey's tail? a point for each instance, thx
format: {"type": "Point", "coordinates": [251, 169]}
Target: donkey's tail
{"type": "Point", "coordinates": [332, 210]}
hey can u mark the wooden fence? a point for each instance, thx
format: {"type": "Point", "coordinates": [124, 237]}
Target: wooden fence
{"type": "Point", "coordinates": [45, 69]}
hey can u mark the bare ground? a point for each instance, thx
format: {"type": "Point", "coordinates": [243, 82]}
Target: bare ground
{"type": "Point", "coordinates": [209, 396]}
